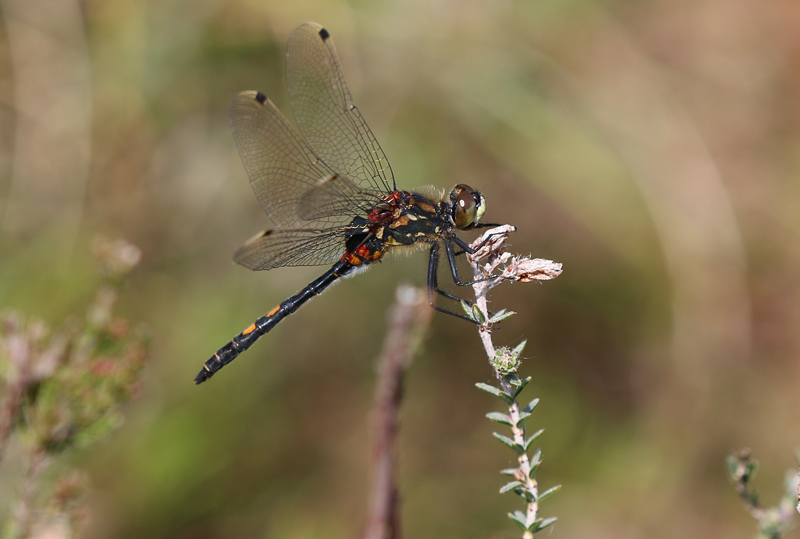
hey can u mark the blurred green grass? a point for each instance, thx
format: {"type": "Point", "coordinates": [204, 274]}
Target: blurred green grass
{"type": "Point", "coordinates": [650, 147]}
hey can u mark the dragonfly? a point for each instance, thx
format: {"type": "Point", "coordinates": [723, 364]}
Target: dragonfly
{"type": "Point", "coordinates": [330, 190]}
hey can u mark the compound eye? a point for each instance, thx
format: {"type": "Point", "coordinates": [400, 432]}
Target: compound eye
{"type": "Point", "coordinates": [465, 208]}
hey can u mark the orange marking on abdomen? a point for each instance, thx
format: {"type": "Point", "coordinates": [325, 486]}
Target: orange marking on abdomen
{"type": "Point", "coordinates": [249, 330]}
{"type": "Point", "coordinates": [353, 259]}
{"type": "Point", "coordinates": [273, 311]}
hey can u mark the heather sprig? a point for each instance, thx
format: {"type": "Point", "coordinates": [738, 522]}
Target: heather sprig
{"type": "Point", "coordinates": [491, 266]}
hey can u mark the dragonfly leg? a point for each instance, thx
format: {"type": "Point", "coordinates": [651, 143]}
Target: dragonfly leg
{"type": "Point", "coordinates": [451, 258]}
{"type": "Point", "coordinates": [467, 249]}
{"type": "Point", "coordinates": [433, 285]}
{"type": "Point", "coordinates": [456, 298]}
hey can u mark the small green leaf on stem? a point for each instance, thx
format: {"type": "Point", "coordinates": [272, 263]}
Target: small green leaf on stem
{"type": "Point", "coordinates": [499, 417]}
{"type": "Point", "coordinates": [531, 406]}
{"type": "Point", "coordinates": [541, 524]}
{"type": "Point", "coordinates": [532, 439]}
{"type": "Point", "coordinates": [512, 379]}
{"type": "Point", "coordinates": [548, 492]}
{"type": "Point", "coordinates": [477, 315]}
{"type": "Point", "coordinates": [521, 386]}
{"type": "Point", "coordinates": [510, 486]}
{"type": "Point", "coordinates": [520, 518]}
{"type": "Point", "coordinates": [496, 391]}
{"type": "Point", "coordinates": [501, 316]}
{"type": "Point", "coordinates": [509, 442]}
{"type": "Point", "coordinates": [490, 389]}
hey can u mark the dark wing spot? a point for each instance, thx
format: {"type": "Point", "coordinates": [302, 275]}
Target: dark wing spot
{"type": "Point", "coordinates": [261, 98]}
{"type": "Point", "coordinates": [259, 236]}
{"type": "Point", "coordinates": [324, 34]}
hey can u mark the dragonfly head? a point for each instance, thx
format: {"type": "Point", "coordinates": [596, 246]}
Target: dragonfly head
{"type": "Point", "coordinates": [466, 206]}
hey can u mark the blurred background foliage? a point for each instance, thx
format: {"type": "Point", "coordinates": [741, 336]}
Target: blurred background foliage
{"type": "Point", "coordinates": [651, 147]}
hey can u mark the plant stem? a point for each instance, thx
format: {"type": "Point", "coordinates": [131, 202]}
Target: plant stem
{"type": "Point", "coordinates": [490, 247]}
{"type": "Point", "coordinates": [409, 319]}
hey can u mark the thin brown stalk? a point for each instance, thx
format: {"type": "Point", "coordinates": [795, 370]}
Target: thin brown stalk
{"type": "Point", "coordinates": [409, 319]}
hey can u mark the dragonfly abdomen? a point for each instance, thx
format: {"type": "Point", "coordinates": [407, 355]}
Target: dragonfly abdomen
{"type": "Point", "coordinates": [263, 325]}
